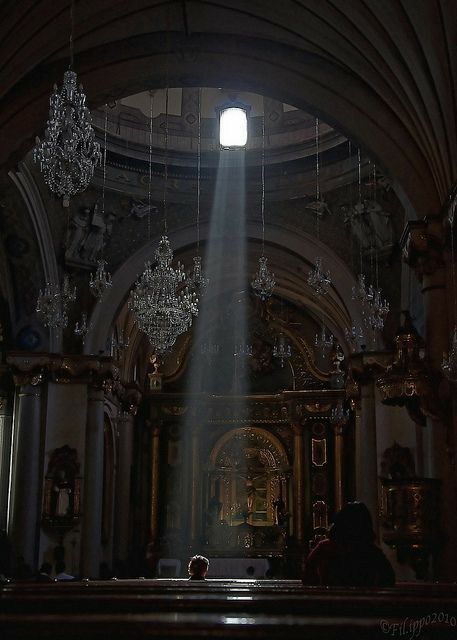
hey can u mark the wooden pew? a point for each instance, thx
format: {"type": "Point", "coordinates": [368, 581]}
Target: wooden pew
{"type": "Point", "coordinates": [157, 609]}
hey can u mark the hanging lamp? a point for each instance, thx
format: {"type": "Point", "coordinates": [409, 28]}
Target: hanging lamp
{"type": "Point", "coordinates": [69, 152]}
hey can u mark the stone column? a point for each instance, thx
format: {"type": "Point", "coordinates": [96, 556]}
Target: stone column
{"type": "Point", "coordinates": [155, 458]}
{"type": "Point", "coordinates": [338, 434]}
{"type": "Point", "coordinates": [298, 483]}
{"type": "Point", "coordinates": [93, 485]}
{"type": "Point", "coordinates": [6, 428]}
{"type": "Point", "coordinates": [424, 250]}
{"type": "Point", "coordinates": [122, 512]}
{"type": "Point", "coordinates": [366, 450]}
{"type": "Point", "coordinates": [195, 487]}
{"type": "Point", "coordinates": [27, 474]}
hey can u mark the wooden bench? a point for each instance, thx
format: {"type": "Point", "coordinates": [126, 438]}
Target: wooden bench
{"type": "Point", "coordinates": [119, 609]}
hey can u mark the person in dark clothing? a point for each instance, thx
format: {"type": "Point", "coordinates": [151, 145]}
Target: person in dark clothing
{"type": "Point", "coordinates": [349, 557]}
{"type": "Point", "coordinates": [198, 568]}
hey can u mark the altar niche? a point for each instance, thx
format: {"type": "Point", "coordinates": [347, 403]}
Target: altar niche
{"type": "Point", "coordinates": [248, 492]}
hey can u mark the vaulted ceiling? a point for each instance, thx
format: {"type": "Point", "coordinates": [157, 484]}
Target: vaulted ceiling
{"type": "Point", "coordinates": [383, 73]}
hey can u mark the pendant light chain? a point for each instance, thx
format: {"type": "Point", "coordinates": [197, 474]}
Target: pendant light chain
{"type": "Point", "coordinates": [453, 266]}
{"type": "Point", "coordinates": [318, 279]}
{"type": "Point", "coordinates": [263, 185]}
{"type": "Point", "coordinates": [151, 117]}
{"type": "Point", "coordinates": [105, 127]}
{"type": "Point", "coordinates": [72, 24]}
{"type": "Point", "coordinates": [263, 281]}
{"type": "Point", "coordinates": [101, 280]}
{"type": "Point", "coordinates": [199, 165]}
{"type": "Point", "coordinates": [165, 229]}
{"type": "Point", "coordinates": [318, 194]}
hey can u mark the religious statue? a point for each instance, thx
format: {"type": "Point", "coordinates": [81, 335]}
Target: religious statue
{"type": "Point", "coordinates": [251, 495]}
{"type": "Point", "coordinates": [140, 209]}
{"type": "Point", "coordinates": [214, 510]}
{"type": "Point", "coordinates": [62, 490]}
{"type": "Point", "coordinates": [280, 514]}
{"type": "Point", "coordinates": [88, 233]}
{"type": "Point", "coordinates": [77, 231]}
{"type": "Point", "coordinates": [155, 378]}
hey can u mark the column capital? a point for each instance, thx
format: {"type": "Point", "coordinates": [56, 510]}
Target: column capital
{"type": "Point", "coordinates": [422, 244]}
{"type": "Point", "coordinates": [367, 366]}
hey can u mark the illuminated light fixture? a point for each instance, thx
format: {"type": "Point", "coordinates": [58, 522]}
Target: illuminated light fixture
{"type": "Point", "coordinates": [233, 127]}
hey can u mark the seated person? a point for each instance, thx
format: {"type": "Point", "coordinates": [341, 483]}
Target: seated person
{"type": "Point", "coordinates": [349, 557]}
{"type": "Point", "coordinates": [198, 568]}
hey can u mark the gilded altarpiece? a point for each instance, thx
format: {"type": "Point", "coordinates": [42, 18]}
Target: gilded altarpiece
{"type": "Point", "coordinates": [252, 478]}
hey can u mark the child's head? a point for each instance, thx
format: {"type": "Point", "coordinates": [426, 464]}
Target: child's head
{"type": "Point", "coordinates": [198, 567]}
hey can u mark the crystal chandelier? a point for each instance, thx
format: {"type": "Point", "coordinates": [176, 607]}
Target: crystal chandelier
{"type": "Point", "coordinates": [355, 335]}
{"type": "Point", "coordinates": [81, 330]}
{"type": "Point", "coordinates": [263, 281]}
{"type": "Point", "coordinates": [378, 311]}
{"type": "Point", "coordinates": [242, 350]}
{"type": "Point", "coordinates": [197, 278]}
{"type": "Point", "coordinates": [282, 350]}
{"type": "Point", "coordinates": [361, 292]}
{"type": "Point", "coordinates": [322, 341]}
{"type": "Point", "coordinates": [53, 302]}
{"type": "Point", "coordinates": [339, 416]}
{"type": "Point", "coordinates": [162, 309]}
{"type": "Point", "coordinates": [101, 281]}
{"type": "Point", "coordinates": [210, 349]}
{"type": "Point", "coordinates": [69, 153]}
{"type": "Point", "coordinates": [318, 280]}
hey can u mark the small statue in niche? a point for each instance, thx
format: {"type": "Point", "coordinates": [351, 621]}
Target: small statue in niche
{"type": "Point", "coordinates": [62, 489]}
{"type": "Point", "coordinates": [155, 378]}
{"type": "Point", "coordinates": [77, 232]}
{"type": "Point", "coordinates": [280, 514]}
{"type": "Point", "coordinates": [63, 492]}
{"type": "Point", "coordinates": [251, 495]}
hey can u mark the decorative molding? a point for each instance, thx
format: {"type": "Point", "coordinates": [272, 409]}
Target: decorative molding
{"type": "Point", "coordinates": [34, 368]}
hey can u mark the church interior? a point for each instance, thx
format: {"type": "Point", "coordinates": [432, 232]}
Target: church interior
{"type": "Point", "coordinates": [228, 307]}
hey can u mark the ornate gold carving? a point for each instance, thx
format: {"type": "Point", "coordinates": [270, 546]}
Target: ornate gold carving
{"type": "Point", "coordinates": [174, 409]}
{"type": "Point", "coordinates": [318, 407]}
{"type": "Point", "coordinates": [422, 245]}
{"type": "Point", "coordinates": [34, 368]}
{"type": "Point", "coordinates": [410, 516]}
{"type": "Point", "coordinates": [406, 381]}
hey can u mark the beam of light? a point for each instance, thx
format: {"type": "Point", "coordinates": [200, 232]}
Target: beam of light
{"type": "Point", "coordinates": [222, 320]}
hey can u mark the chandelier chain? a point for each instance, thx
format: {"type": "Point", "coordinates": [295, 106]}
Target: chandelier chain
{"type": "Point", "coordinates": [165, 183]}
{"type": "Point", "coordinates": [102, 280]}
{"type": "Point", "coordinates": [72, 24]}
{"type": "Point", "coordinates": [199, 165]}
{"type": "Point", "coordinates": [151, 116]}
{"type": "Point", "coordinates": [318, 193]}
{"type": "Point", "coordinates": [262, 207]}
{"type": "Point", "coordinates": [105, 130]}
